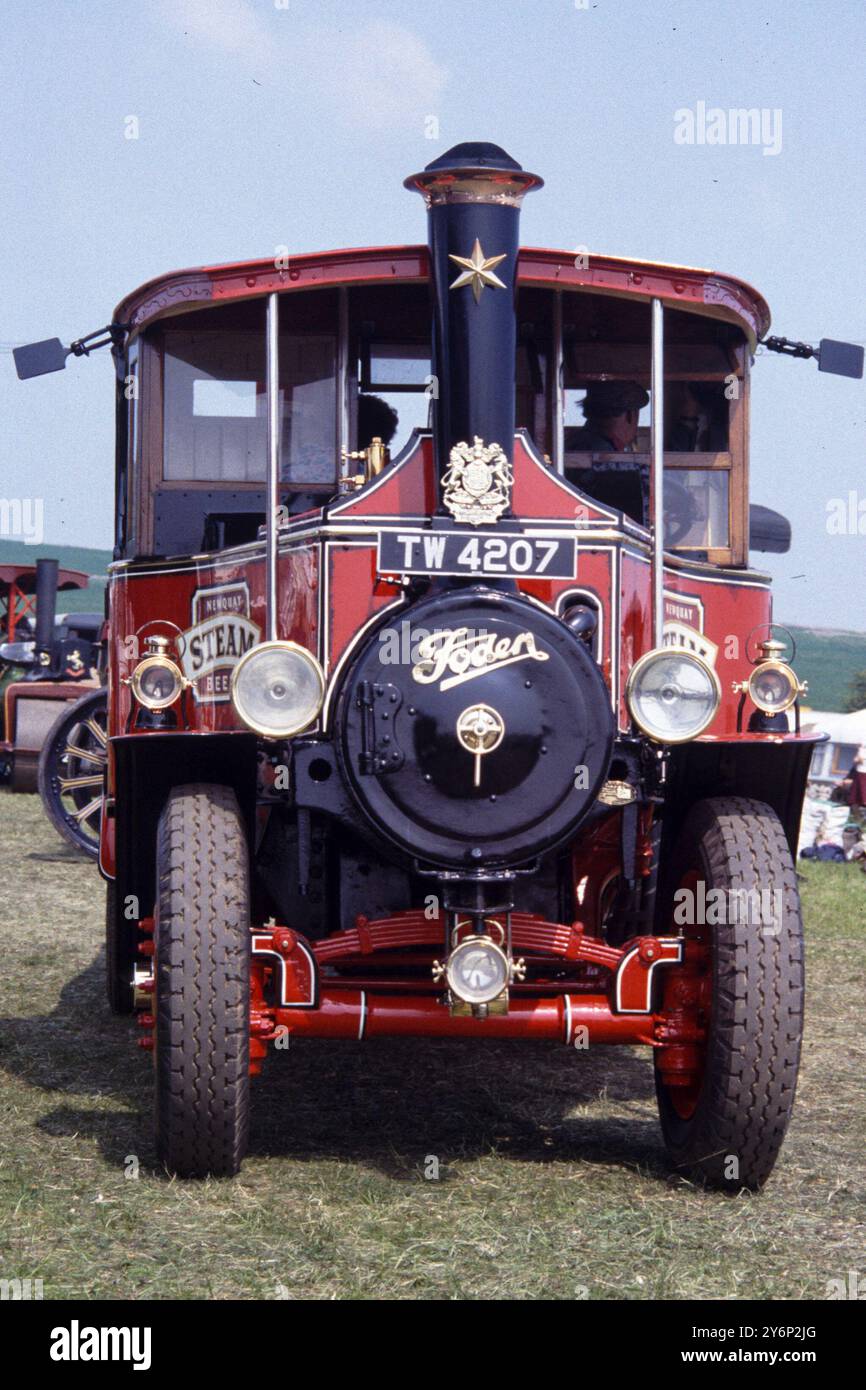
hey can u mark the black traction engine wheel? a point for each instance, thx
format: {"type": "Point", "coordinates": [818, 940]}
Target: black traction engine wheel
{"type": "Point", "coordinates": [71, 770]}
{"type": "Point", "coordinates": [724, 1118]}
{"type": "Point", "coordinates": [202, 983]}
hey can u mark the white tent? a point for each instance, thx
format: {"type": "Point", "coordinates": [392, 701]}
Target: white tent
{"type": "Point", "coordinates": [832, 760]}
{"type": "Point", "coordinates": [831, 763]}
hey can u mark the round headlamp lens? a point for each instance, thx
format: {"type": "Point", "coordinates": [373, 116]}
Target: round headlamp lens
{"type": "Point", "coordinates": [277, 689]}
{"type": "Point", "coordinates": [477, 971]}
{"type": "Point", "coordinates": [672, 695]}
{"type": "Point", "coordinates": [773, 687]}
{"type": "Point", "coordinates": [156, 682]}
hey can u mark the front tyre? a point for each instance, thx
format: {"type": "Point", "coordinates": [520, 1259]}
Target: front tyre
{"type": "Point", "coordinates": [725, 1112]}
{"type": "Point", "coordinates": [202, 983]}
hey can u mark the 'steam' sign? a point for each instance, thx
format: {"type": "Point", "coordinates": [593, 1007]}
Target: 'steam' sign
{"type": "Point", "coordinates": [220, 634]}
{"type": "Point", "coordinates": [684, 627]}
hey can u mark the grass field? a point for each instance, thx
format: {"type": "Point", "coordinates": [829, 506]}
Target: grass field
{"type": "Point", "coordinates": [552, 1178]}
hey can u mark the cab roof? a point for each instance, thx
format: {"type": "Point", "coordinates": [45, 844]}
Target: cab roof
{"type": "Point", "coordinates": [687, 288]}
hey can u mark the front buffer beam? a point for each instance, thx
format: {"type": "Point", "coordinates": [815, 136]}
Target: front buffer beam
{"type": "Point", "coordinates": [298, 990]}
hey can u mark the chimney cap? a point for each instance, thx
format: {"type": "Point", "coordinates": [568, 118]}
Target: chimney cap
{"type": "Point", "coordinates": [474, 171]}
{"type": "Point", "coordinates": [474, 154]}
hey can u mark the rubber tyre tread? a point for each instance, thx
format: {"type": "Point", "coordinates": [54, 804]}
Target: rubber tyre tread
{"type": "Point", "coordinates": [202, 983]}
{"type": "Point", "coordinates": [753, 1051]}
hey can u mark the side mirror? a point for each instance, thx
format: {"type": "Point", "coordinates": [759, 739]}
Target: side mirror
{"type": "Point", "coordinates": [842, 359]}
{"type": "Point", "coordinates": [37, 359]}
{"type": "Point", "coordinates": [769, 531]}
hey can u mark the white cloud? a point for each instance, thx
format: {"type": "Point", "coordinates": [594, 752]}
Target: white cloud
{"type": "Point", "coordinates": [234, 26]}
{"type": "Point", "coordinates": [382, 74]}
{"type": "Point", "coordinates": [375, 75]}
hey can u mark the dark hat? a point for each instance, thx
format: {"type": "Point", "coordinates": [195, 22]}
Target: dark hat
{"type": "Point", "coordinates": [375, 417]}
{"type": "Point", "coordinates": [613, 398]}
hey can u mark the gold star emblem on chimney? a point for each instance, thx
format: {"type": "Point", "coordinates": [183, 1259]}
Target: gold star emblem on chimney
{"type": "Point", "coordinates": [478, 271]}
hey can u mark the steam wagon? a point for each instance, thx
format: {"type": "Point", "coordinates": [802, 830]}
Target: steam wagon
{"type": "Point", "coordinates": [45, 667]}
{"type": "Point", "coordinates": [443, 698]}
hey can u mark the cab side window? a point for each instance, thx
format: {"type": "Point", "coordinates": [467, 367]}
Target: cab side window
{"type": "Point", "coordinates": [215, 407]}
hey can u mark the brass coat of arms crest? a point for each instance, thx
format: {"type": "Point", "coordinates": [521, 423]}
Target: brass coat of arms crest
{"type": "Point", "coordinates": [476, 487]}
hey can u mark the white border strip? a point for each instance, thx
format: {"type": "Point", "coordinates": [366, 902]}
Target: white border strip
{"type": "Point", "coordinates": [284, 1002]}
{"type": "Point", "coordinates": [667, 960]}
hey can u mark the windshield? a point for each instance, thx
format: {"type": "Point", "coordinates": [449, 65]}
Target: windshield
{"type": "Point", "coordinates": [355, 365]}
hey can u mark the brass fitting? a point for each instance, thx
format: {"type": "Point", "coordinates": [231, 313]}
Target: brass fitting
{"type": "Point", "coordinates": [374, 459]}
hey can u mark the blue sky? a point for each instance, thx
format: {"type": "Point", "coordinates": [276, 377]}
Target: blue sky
{"type": "Point", "coordinates": [264, 123]}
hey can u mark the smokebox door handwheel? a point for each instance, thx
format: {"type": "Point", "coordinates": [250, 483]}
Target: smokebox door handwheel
{"type": "Point", "coordinates": [480, 729]}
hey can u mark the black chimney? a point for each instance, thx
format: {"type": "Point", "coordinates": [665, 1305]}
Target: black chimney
{"type": "Point", "coordinates": [473, 195]}
{"type": "Point", "coordinates": [46, 608]}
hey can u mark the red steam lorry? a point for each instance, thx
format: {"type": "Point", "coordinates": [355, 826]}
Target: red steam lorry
{"type": "Point", "coordinates": [431, 710]}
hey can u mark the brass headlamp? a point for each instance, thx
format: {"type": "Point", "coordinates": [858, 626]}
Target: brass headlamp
{"type": "Point", "coordinates": [772, 686]}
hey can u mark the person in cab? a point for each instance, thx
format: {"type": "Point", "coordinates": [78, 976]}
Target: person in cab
{"type": "Point", "coordinates": [376, 419]}
{"type": "Point", "coordinates": [611, 410]}
{"type": "Point", "coordinates": [701, 419]}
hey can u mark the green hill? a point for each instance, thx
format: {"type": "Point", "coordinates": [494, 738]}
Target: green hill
{"type": "Point", "coordinates": [828, 660]}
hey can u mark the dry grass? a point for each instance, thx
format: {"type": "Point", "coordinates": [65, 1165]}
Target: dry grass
{"type": "Point", "coordinates": [552, 1175]}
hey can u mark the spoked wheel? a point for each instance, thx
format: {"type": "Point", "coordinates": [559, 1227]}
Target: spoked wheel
{"type": "Point", "coordinates": [72, 770]}
{"type": "Point", "coordinates": [202, 983]}
{"type": "Point", "coordinates": [726, 1089]}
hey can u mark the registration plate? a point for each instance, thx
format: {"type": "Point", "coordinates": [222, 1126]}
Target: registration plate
{"type": "Point", "coordinates": [484, 553]}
